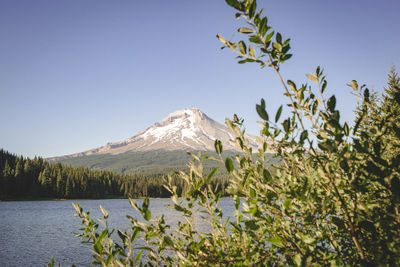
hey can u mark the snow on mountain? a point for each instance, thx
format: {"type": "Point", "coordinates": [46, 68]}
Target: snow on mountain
{"type": "Point", "coordinates": [187, 129]}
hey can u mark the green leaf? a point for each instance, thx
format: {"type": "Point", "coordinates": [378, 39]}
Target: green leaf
{"type": "Point", "coordinates": [212, 173]}
{"type": "Point", "coordinates": [121, 235]}
{"type": "Point", "coordinates": [276, 241]}
{"type": "Point", "coordinates": [278, 114]}
{"type": "Point", "coordinates": [242, 47]}
{"type": "Point", "coordinates": [287, 204]}
{"type": "Point", "coordinates": [297, 260]}
{"type": "Point", "coordinates": [262, 103]}
{"type": "Point", "coordinates": [252, 193]}
{"type": "Point", "coordinates": [358, 122]}
{"type": "Point", "coordinates": [168, 241]}
{"type": "Point", "coordinates": [252, 9]}
{"type": "Point", "coordinates": [239, 142]}
{"type": "Point", "coordinates": [286, 125]}
{"type": "Point", "coordinates": [303, 136]}
{"type": "Point", "coordinates": [234, 4]}
{"type": "Point", "coordinates": [267, 175]}
{"type": "Point", "coordinates": [278, 38]}
{"type": "Point", "coordinates": [262, 113]}
{"type": "Point", "coordinates": [145, 209]}
{"type": "Point", "coordinates": [287, 56]}
{"type": "Point", "coordinates": [366, 95]}
{"type": "Point", "coordinates": [346, 129]}
{"type": "Point", "coordinates": [308, 239]}
{"type": "Point", "coordinates": [51, 264]}
{"type": "Point", "coordinates": [263, 26]}
{"type": "Point", "coordinates": [145, 204]}
{"type": "Point", "coordinates": [277, 46]}
{"type": "Point", "coordinates": [255, 39]}
{"type": "Point", "coordinates": [245, 30]}
{"type": "Point", "coordinates": [323, 87]}
{"type": "Point", "coordinates": [251, 224]}
{"type": "Point", "coordinates": [269, 36]}
{"type": "Point", "coordinates": [238, 227]}
{"type": "Point", "coordinates": [108, 260]}
{"type": "Point", "coordinates": [332, 103]}
{"type": "Point", "coordinates": [103, 234]}
{"type": "Point", "coordinates": [237, 201]}
{"type": "Point", "coordinates": [261, 110]}
{"type": "Point", "coordinates": [179, 207]}
{"type": "Point", "coordinates": [147, 214]}
{"type": "Point", "coordinates": [137, 258]}
{"type": "Point", "coordinates": [285, 49]}
{"type": "Point", "coordinates": [318, 71]}
{"type": "Point", "coordinates": [97, 247]}
{"type": "Point", "coordinates": [325, 146]}
{"type": "Point", "coordinates": [252, 53]}
{"type": "Point", "coordinates": [218, 146]}
{"type": "Point", "coordinates": [229, 164]}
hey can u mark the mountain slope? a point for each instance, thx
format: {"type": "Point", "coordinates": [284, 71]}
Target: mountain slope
{"type": "Point", "coordinates": [145, 162]}
{"type": "Point", "coordinates": [162, 147]}
{"type": "Point", "coordinates": [187, 129]}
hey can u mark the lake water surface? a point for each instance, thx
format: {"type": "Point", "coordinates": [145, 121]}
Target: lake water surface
{"type": "Point", "coordinates": [31, 232]}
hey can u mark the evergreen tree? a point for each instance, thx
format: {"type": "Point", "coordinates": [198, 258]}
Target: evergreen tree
{"type": "Point", "coordinates": [390, 109]}
{"type": "Point", "coordinates": [20, 177]}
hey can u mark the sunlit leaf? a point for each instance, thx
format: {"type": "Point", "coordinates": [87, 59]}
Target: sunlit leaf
{"type": "Point", "coordinates": [276, 241]}
{"type": "Point", "coordinates": [242, 47]}
{"type": "Point", "coordinates": [245, 30]}
{"type": "Point", "coordinates": [313, 77]}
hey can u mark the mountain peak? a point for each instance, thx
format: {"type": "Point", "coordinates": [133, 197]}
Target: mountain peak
{"type": "Point", "coordinates": [182, 129]}
{"type": "Point", "coordinates": [186, 129]}
{"type": "Point", "coordinates": [185, 113]}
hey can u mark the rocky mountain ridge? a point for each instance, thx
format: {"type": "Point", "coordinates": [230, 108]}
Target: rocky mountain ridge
{"type": "Point", "coordinates": [187, 129]}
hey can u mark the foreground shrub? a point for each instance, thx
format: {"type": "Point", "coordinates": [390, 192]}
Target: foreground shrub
{"type": "Point", "coordinates": [333, 199]}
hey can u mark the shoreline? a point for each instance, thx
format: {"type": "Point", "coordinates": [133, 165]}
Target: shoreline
{"type": "Point", "coordinates": [64, 199]}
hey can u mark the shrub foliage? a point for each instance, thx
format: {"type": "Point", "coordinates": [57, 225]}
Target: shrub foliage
{"type": "Point", "coordinates": [333, 199]}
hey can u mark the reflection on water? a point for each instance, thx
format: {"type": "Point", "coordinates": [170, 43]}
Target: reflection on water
{"type": "Point", "coordinates": [31, 232]}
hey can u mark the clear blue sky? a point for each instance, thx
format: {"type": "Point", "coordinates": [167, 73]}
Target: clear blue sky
{"type": "Point", "coordinates": [76, 74]}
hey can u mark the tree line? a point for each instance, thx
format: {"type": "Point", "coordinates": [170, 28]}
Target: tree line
{"type": "Point", "coordinates": [22, 178]}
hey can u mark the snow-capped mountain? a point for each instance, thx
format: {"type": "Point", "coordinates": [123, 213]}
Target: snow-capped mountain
{"type": "Point", "coordinates": [187, 129]}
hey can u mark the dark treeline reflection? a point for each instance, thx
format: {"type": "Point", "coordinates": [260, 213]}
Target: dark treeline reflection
{"type": "Point", "coordinates": [36, 178]}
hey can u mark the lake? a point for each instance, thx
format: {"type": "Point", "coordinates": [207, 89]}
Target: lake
{"type": "Point", "coordinates": [31, 232]}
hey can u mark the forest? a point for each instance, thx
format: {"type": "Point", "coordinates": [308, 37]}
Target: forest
{"type": "Point", "coordinates": [24, 178]}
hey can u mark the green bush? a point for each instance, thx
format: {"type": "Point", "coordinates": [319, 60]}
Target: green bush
{"type": "Point", "coordinates": [333, 200]}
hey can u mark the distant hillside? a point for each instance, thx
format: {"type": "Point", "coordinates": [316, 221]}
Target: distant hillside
{"type": "Point", "coordinates": [144, 162]}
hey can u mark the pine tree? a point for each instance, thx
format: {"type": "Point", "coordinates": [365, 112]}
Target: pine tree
{"type": "Point", "coordinates": [390, 109]}
{"type": "Point", "coordinates": [367, 113]}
